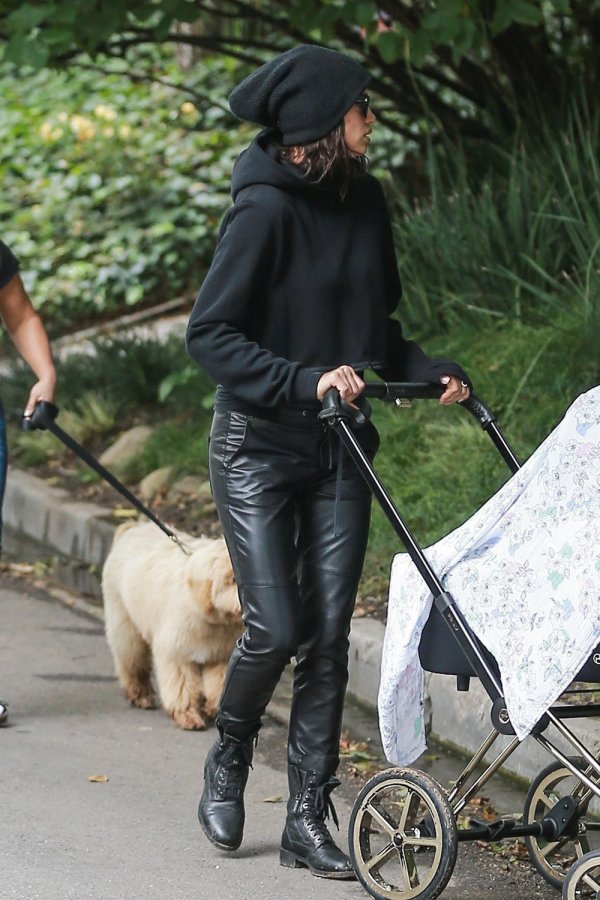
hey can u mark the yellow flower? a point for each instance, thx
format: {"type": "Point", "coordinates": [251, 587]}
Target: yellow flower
{"type": "Point", "coordinates": [108, 132]}
{"type": "Point", "coordinates": [124, 131]}
{"type": "Point", "coordinates": [105, 112]}
{"type": "Point", "coordinates": [63, 116]}
{"type": "Point", "coordinates": [50, 132]}
{"type": "Point", "coordinates": [188, 108]}
{"type": "Point", "coordinates": [82, 128]}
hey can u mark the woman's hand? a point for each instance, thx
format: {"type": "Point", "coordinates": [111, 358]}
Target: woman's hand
{"type": "Point", "coordinates": [345, 379]}
{"type": "Point", "coordinates": [455, 390]}
{"type": "Point", "coordinates": [42, 390]}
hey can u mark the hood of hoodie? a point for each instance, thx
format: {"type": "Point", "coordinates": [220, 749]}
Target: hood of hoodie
{"type": "Point", "coordinates": [260, 163]}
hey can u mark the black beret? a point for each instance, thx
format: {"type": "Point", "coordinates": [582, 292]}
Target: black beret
{"type": "Point", "coordinates": [304, 92]}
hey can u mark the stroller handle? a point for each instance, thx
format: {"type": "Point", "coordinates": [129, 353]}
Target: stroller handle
{"type": "Point", "coordinates": [393, 391]}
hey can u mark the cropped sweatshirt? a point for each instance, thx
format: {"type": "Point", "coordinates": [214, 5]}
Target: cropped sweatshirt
{"type": "Point", "coordinates": [301, 282]}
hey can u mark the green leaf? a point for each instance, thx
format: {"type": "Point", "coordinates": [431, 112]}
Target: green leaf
{"type": "Point", "coordinates": [365, 12]}
{"type": "Point", "coordinates": [28, 16]}
{"type": "Point", "coordinates": [418, 46]}
{"type": "Point", "coordinates": [133, 294]}
{"type": "Point", "coordinates": [57, 35]}
{"type": "Point", "coordinates": [445, 25]}
{"type": "Point", "coordinates": [176, 379]}
{"type": "Point", "coordinates": [389, 45]}
{"type": "Point", "coordinates": [465, 40]}
{"type": "Point", "coordinates": [503, 17]}
{"type": "Point", "coordinates": [25, 51]}
{"type": "Point", "coordinates": [527, 13]}
{"type": "Point", "coordinates": [66, 14]}
{"type": "Point", "coordinates": [181, 10]}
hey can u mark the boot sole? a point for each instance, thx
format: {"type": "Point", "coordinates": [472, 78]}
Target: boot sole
{"type": "Point", "coordinates": [214, 841]}
{"type": "Point", "coordinates": [293, 861]}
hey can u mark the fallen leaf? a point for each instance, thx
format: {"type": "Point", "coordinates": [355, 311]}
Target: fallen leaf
{"type": "Point", "coordinates": [355, 749]}
{"type": "Point", "coordinates": [124, 512]}
{"type": "Point", "coordinates": [275, 799]}
{"type": "Point", "coordinates": [98, 778]}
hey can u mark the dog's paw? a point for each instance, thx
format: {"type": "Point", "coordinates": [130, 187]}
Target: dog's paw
{"type": "Point", "coordinates": [143, 701]}
{"type": "Point", "coordinates": [188, 719]}
{"type": "Point", "coordinates": [210, 710]}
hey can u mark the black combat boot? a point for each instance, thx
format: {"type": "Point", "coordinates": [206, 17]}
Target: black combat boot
{"type": "Point", "coordinates": [221, 810]}
{"type": "Point", "coordinates": [306, 840]}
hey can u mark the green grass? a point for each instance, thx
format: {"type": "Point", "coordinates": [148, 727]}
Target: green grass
{"type": "Point", "coordinates": [518, 239]}
{"type": "Point", "coordinates": [438, 464]}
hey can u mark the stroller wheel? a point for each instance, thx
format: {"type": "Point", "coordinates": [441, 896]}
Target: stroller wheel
{"type": "Point", "coordinates": [402, 837]}
{"type": "Point", "coordinates": [583, 878]}
{"type": "Point", "coordinates": [553, 859]}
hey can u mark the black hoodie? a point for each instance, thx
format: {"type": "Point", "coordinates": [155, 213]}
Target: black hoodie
{"type": "Point", "coordinates": [301, 282]}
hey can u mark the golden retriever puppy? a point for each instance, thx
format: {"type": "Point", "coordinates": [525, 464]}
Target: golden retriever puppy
{"type": "Point", "coordinates": [177, 612]}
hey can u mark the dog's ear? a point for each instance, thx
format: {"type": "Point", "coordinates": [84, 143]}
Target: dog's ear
{"type": "Point", "coordinates": [225, 596]}
{"type": "Point", "coordinates": [200, 587]}
{"type": "Point", "coordinates": [211, 582]}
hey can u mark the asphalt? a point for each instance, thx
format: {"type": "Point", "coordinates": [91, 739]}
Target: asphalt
{"type": "Point", "coordinates": [134, 836]}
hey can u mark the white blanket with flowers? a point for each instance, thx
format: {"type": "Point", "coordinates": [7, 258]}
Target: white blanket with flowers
{"type": "Point", "coordinates": [524, 570]}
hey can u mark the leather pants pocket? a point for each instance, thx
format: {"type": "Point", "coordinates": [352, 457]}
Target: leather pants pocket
{"type": "Point", "coordinates": [227, 436]}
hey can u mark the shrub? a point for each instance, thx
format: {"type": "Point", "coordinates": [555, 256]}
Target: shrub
{"type": "Point", "coordinates": [112, 191]}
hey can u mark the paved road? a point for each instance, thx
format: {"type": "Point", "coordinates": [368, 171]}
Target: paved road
{"type": "Point", "coordinates": [136, 837]}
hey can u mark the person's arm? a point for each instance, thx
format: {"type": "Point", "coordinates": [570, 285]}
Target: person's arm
{"type": "Point", "coordinates": [407, 361]}
{"type": "Point", "coordinates": [230, 298]}
{"type": "Point", "coordinates": [29, 335]}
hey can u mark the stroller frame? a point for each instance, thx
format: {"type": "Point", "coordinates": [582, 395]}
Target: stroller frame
{"type": "Point", "coordinates": [561, 822]}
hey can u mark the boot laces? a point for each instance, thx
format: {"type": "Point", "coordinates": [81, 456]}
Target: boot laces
{"type": "Point", "coordinates": [234, 763]}
{"type": "Point", "coordinates": [317, 806]}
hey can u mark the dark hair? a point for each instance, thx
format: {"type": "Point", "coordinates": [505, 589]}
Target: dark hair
{"type": "Point", "coordinates": [329, 159]}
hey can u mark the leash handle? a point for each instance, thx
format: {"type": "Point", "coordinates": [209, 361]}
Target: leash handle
{"type": "Point", "coordinates": [43, 419]}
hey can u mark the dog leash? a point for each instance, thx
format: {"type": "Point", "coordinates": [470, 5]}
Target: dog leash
{"type": "Point", "coordinates": [43, 419]}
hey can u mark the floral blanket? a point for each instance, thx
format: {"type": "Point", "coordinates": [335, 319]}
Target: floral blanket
{"type": "Point", "coordinates": [524, 570]}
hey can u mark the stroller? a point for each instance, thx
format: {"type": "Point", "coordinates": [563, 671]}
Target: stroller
{"type": "Point", "coordinates": [404, 831]}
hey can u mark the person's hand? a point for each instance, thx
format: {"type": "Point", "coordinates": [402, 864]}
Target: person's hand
{"type": "Point", "coordinates": [42, 390]}
{"type": "Point", "coordinates": [345, 379]}
{"type": "Point", "coordinates": [455, 390]}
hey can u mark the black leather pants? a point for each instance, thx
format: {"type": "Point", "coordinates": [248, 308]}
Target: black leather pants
{"type": "Point", "coordinates": [297, 536]}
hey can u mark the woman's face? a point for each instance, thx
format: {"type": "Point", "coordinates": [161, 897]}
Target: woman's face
{"type": "Point", "coordinates": [358, 126]}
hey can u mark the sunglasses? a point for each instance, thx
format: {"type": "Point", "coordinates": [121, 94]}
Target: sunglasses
{"type": "Point", "coordinates": [364, 103]}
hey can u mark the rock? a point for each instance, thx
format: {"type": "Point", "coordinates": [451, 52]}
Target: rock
{"type": "Point", "coordinates": [154, 483]}
{"type": "Point", "coordinates": [207, 508]}
{"type": "Point", "coordinates": [190, 487]}
{"type": "Point", "coordinates": [127, 445]}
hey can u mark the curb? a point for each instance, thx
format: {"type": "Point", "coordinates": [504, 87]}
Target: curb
{"type": "Point", "coordinates": [45, 520]}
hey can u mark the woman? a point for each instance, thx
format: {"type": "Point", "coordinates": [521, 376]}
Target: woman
{"type": "Point", "coordinates": [27, 331]}
{"type": "Point", "coordinates": [297, 301]}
